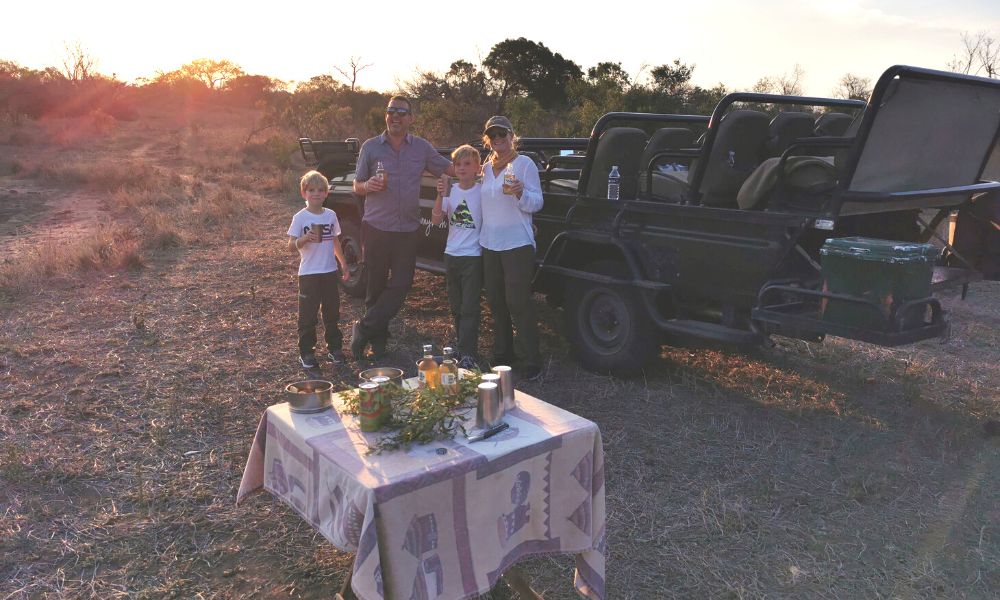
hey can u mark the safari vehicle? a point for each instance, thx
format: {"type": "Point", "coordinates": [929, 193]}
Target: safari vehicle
{"type": "Point", "coordinates": [724, 221]}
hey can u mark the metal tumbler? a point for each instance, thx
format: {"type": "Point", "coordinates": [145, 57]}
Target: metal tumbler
{"type": "Point", "coordinates": [489, 410]}
{"type": "Point", "coordinates": [506, 387]}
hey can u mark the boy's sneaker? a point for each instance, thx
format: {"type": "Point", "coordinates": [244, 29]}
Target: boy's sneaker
{"type": "Point", "coordinates": [336, 357]}
{"type": "Point", "coordinates": [530, 373]}
{"type": "Point", "coordinates": [468, 363]}
{"type": "Point", "coordinates": [308, 361]}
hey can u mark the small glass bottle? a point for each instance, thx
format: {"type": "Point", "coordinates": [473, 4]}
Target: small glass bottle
{"type": "Point", "coordinates": [508, 178]}
{"type": "Point", "coordinates": [428, 373]}
{"type": "Point", "coordinates": [380, 172]}
{"type": "Point", "coordinates": [614, 184]}
{"type": "Point", "coordinates": [449, 370]}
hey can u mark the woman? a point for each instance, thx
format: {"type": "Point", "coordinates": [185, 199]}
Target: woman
{"type": "Point", "coordinates": [508, 243]}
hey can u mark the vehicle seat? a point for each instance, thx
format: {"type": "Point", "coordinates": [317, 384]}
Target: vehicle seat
{"type": "Point", "coordinates": [620, 146]}
{"type": "Point", "coordinates": [832, 124]}
{"type": "Point", "coordinates": [785, 128]}
{"type": "Point", "coordinates": [733, 155]}
{"type": "Point", "coordinates": [663, 139]}
{"type": "Point", "coordinates": [809, 175]}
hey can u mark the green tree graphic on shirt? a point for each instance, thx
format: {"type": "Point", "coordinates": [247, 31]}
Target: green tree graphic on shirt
{"type": "Point", "coordinates": [462, 216]}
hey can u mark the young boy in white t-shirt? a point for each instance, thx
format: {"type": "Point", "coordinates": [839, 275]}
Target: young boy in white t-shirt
{"type": "Point", "coordinates": [313, 234]}
{"type": "Point", "coordinates": [463, 255]}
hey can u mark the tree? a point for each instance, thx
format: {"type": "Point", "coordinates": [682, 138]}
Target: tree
{"type": "Point", "coordinates": [980, 57]}
{"type": "Point", "coordinates": [251, 89]}
{"type": "Point", "coordinates": [672, 79]}
{"type": "Point", "coordinates": [609, 72]}
{"type": "Point", "coordinates": [453, 105]}
{"type": "Point", "coordinates": [524, 68]}
{"type": "Point", "coordinates": [213, 73]}
{"type": "Point", "coordinates": [784, 84]}
{"type": "Point", "coordinates": [853, 87]}
{"type": "Point", "coordinates": [355, 67]}
{"type": "Point", "coordinates": [78, 65]}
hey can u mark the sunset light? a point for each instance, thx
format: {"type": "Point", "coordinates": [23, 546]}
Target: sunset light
{"type": "Point", "coordinates": [730, 41]}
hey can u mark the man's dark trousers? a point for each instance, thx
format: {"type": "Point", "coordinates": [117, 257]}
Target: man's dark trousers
{"type": "Point", "coordinates": [390, 259]}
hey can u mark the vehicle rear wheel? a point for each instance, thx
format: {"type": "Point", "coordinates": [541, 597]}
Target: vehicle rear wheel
{"type": "Point", "coordinates": [607, 326]}
{"type": "Point", "coordinates": [350, 241]}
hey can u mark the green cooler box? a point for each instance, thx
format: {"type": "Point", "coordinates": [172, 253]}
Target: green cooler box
{"type": "Point", "coordinates": [884, 272]}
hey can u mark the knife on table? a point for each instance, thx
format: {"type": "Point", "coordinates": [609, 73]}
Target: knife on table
{"type": "Point", "coordinates": [488, 433]}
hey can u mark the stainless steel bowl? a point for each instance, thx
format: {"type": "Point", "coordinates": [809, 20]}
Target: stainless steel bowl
{"type": "Point", "coordinates": [395, 375]}
{"type": "Point", "coordinates": [312, 395]}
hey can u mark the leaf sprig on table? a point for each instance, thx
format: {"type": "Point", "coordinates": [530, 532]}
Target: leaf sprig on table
{"type": "Point", "coordinates": [423, 415]}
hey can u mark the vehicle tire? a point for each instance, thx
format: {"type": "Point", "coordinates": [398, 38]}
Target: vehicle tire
{"type": "Point", "coordinates": [607, 326]}
{"type": "Point", "coordinates": [350, 241]}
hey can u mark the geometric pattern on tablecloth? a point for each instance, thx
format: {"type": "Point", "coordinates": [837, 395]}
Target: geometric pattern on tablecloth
{"type": "Point", "coordinates": [584, 471]}
{"type": "Point", "coordinates": [581, 516]}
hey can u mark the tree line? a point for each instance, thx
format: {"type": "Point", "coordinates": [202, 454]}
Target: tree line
{"type": "Point", "coordinates": [544, 93]}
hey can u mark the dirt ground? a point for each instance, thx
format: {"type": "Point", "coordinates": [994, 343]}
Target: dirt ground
{"type": "Point", "coordinates": [129, 398]}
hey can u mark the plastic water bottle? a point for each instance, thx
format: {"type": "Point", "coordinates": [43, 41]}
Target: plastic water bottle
{"type": "Point", "coordinates": [614, 184]}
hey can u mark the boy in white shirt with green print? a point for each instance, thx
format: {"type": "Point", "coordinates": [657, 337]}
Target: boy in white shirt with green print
{"type": "Point", "coordinates": [463, 256]}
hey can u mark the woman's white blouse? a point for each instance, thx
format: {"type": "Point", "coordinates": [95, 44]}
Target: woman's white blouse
{"type": "Point", "coordinates": [507, 220]}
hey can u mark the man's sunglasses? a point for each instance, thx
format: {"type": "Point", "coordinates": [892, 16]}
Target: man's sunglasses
{"type": "Point", "coordinates": [497, 134]}
{"type": "Point", "coordinates": [392, 110]}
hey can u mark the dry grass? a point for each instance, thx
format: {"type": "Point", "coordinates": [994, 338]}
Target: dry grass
{"type": "Point", "coordinates": [130, 397]}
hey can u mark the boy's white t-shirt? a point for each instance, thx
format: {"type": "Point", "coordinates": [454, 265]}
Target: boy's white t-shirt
{"type": "Point", "coordinates": [465, 219]}
{"type": "Point", "coordinates": [315, 258]}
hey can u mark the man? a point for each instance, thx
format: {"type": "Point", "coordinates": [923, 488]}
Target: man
{"type": "Point", "coordinates": [391, 220]}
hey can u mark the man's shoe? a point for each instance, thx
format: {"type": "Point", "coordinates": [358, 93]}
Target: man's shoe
{"type": "Point", "coordinates": [378, 347]}
{"type": "Point", "coordinates": [358, 341]}
{"type": "Point", "coordinates": [336, 357]}
{"type": "Point", "coordinates": [530, 373]}
{"type": "Point", "coordinates": [308, 360]}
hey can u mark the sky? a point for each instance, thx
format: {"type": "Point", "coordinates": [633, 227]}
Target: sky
{"type": "Point", "coordinates": [729, 41]}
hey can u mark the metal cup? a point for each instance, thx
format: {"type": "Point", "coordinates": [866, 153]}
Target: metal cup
{"type": "Point", "coordinates": [489, 410]}
{"type": "Point", "coordinates": [506, 386]}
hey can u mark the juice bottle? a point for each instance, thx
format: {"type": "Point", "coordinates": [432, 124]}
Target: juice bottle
{"type": "Point", "coordinates": [427, 369]}
{"type": "Point", "coordinates": [449, 375]}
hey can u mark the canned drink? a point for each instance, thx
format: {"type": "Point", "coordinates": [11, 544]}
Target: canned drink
{"type": "Point", "coordinates": [447, 186]}
{"type": "Point", "coordinates": [385, 398]}
{"type": "Point", "coordinates": [369, 406]}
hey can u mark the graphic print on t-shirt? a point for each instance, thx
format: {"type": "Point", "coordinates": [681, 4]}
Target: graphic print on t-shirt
{"type": "Point", "coordinates": [462, 216]}
{"type": "Point", "coordinates": [325, 230]}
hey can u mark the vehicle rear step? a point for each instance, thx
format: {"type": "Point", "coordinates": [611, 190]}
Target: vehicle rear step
{"type": "Point", "coordinates": [797, 312]}
{"type": "Point", "coordinates": [709, 331]}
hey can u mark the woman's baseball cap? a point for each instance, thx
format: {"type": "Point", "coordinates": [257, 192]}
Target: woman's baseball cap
{"type": "Point", "coordinates": [498, 121]}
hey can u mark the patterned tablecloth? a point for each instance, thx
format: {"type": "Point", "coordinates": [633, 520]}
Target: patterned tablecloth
{"type": "Point", "coordinates": [441, 521]}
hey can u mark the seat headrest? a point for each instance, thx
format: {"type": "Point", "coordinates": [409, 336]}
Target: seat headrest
{"type": "Point", "coordinates": [785, 128]}
{"type": "Point", "coordinates": [832, 123]}
{"type": "Point", "coordinates": [666, 138]}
